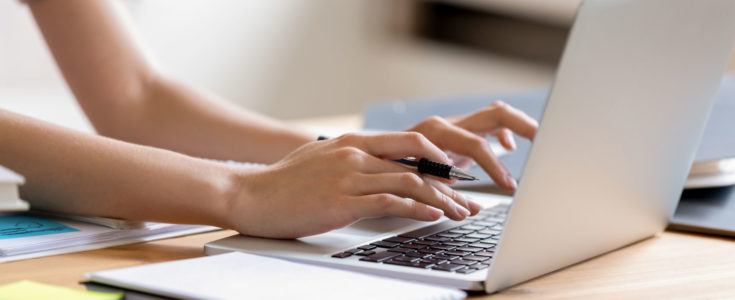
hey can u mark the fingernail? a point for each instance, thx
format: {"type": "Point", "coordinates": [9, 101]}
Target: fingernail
{"type": "Point", "coordinates": [511, 182]}
{"type": "Point", "coordinates": [462, 211]}
{"type": "Point", "coordinates": [512, 143]}
{"type": "Point", "coordinates": [435, 213]}
{"type": "Point", "coordinates": [474, 206]}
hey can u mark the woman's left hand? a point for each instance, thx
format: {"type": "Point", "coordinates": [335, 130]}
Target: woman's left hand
{"type": "Point", "coordinates": [465, 136]}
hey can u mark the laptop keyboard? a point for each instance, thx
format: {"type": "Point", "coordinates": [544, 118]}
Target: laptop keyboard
{"type": "Point", "coordinates": [462, 247]}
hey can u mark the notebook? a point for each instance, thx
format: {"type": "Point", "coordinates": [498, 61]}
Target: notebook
{"type": "Point", "coordinates": [239, 275]}
{"type": "Point", "coordinates": [27, 235]}
{"type": "Point", "coordinates": [716, 151]}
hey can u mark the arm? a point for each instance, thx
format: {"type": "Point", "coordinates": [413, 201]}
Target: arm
{"type": "Point", "coordinates": [72, 172]}
{"type": "Point", "coordinates": [77, 173]}
{"type": "Point", "coordinates": [126, 98]}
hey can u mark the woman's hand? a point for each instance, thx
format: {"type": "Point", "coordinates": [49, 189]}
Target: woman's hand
{"type": "Point", "coordinates": [329, 184]}
{"type": "Point", "coordinates": [465, 136]}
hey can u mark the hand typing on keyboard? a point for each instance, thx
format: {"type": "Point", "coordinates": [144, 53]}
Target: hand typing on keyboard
{"type": "Point", "coordinates": [325, 185]}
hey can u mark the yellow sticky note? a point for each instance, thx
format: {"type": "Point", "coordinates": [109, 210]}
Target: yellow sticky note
{"type": "Point", "coordinates": [26, 289]}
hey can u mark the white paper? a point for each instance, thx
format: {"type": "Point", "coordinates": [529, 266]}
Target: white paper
{"type": "Point", "coordinates": [245, 276]}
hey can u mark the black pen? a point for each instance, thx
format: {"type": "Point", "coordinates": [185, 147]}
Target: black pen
{"type": "Point", "coordinates": [425, 166]}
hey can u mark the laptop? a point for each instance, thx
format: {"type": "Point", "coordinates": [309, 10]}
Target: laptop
{"type": "Point", "coordinates": [635, 75]}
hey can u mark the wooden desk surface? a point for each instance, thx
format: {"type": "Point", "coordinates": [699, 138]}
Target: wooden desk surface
{"type": "Point", "coordinates": [672, 265]}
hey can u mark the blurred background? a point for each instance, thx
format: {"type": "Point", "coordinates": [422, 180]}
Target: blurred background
{"type": "Point", "coordinates": [297, 59]}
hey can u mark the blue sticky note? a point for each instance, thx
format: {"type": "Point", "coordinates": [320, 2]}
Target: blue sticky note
{"type": "Point", "coordinates": [25, 225]}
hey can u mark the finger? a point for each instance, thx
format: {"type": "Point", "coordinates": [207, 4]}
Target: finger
{"type": "Point", "coordinates": [380, 205]}
{"type": "Point", "coordinates": [395, 145]}
{"type": "Point", "coordinates": [463, 200]}
{"type": "Point", "coordinates": [498, 115]}
{"type": "Point", "coordinates": [374, 165]}
{"type": "Point", "coordinates": [461, 141]}
{"type": "Point", "coordinates": [461, 161]}
{"type": "Point", "coordinates": [505, 137]}
{"type": "Point", "coordinates": [411, 186]}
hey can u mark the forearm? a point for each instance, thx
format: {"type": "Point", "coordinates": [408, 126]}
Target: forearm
{"type": "Point", "coordinates": [77, 173]}
{"type": "Point", "coordinates": [126, 98]}
{"type": "Point", "coordinates": [178, 117]}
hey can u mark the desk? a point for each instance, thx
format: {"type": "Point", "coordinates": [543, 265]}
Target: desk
{"type": "Point", "coordinates": [672, 265]}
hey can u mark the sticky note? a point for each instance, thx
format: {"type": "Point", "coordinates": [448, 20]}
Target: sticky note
{"type": "Point", "coordinates": [25, 225]}
{"type": "Point", "coordinates": [39, 291]}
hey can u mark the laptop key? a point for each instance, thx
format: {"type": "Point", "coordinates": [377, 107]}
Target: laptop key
{"type": "Point", "coordinates": [456, 253]}
{"type": "Point", "coordinates": [429, 230]}
{"type": "Point", "coordinates": [490, 241]}
{"type": "Point", "coordinates": [468, 249]}
{"type": "Point", "coordinates": [466, 271]}
{"type": "Point", "coordinates": [461, 231]}
{"type": "Point", "coordinates": [353, 251]}
{"type": "Point", "coordinates": [384, 244]}
{"type": "Point", "coordinates": [398, 239]}
{"type": "Point", "coordinates": [475, 258]}
{"type": "Point", "coordinates": [367, 247]}
{"type": "Point", "coordinates": [449, 267]}
{"type": "Point", "coordinates": [414, 246]}
{"type": "Point", "coordinates": [416, 264]}
{"type": "Point", "coordinates": [473, 227]}
{"type": "Point", "coordinates": [479, 266]}
{"type": "Point", "coordinates": [454, 243]}
{"type": "Point", "coordinates": [484, 254]}
{"type": "Point", "coordinates": [478, 236]}
{"type": "Point", "coordinates": [443, 247]}
{"type": "Point", "coordinates": [365, 253]}
{"type": "Point", "coordinates": [400, 250]}
{"type": "Point", "coordinates": [342, 255]}
{"type": "Point", "coordinates": [438, 239]}
{"type": "Point", "coordinates": [418, 255]}
{"type": "Point", "coordinates": [430, 251]}
{"type": "Point", "coordinates": [444, 257]}
{"type": "Point", "coordinates": [482, 245]}
{"type": "Point", "coordinates": [405, 258]}
{"type": "Point", "coordinates": [484, 224]}
{"type": "Point", "coordinates": [449, 235]}
{"type": "Point", "coordinates": [433, 260]}
{"type": "Point", "coordinates": [427, 243]}
{"type": "Point", "coordinates": [381, 256]}
{"type": "Point", "coordinates": [466, 240]}
{"type": "Point", "coordinates": [462, 261]}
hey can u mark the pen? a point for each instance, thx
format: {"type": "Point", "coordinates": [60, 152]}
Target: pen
{"type": "Point", "coordinates": [425, 166]}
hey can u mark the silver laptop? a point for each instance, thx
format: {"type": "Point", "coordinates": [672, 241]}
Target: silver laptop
{"type": "Point", "coordinates": [618, 134]}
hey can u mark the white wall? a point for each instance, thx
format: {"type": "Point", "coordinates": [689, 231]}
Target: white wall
{"type": "Point", "coordinates": [287, 58]}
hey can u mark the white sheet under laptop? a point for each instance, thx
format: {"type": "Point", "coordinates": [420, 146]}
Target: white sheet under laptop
{"type": "Point", "coordinates": [615, 143]}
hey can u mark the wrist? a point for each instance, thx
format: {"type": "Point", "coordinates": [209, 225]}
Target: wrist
{"type": "Point", "coordinates": [236, 194]}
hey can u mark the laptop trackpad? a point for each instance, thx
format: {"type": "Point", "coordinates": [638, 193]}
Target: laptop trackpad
{"type": "Point", "coordinates": [377, 226]}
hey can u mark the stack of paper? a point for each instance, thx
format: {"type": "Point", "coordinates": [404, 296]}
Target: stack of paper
{"type": "Point", "coordinates": [9, 198]}
{"type": "Point", "coordinates": [26, 235]}
{"type": "Point", "coordinates": [239, 275]}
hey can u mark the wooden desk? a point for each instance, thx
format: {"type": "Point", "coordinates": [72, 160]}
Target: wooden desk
{"type": "Point", "coordinates": [672, 265]}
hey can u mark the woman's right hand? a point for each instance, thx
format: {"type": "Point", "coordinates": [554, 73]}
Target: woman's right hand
{"type": "Point", "coordinates": [329, 184]}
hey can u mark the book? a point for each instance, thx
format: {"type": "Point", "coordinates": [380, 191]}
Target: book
{"type": "Point", "coordinates": [28, 235]}
{"type": "Point", "coordinates": [238, 275]}
{"type": "Point", "coordinates": [9, 196]}
{"type": "Point", "coordinates": [713, 165]}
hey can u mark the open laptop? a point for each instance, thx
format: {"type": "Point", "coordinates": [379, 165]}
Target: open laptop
{"type": "Point", "coordinates": [617, 136]}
